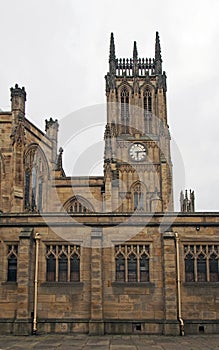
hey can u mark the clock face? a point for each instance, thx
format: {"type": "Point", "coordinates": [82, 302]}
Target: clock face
{"type": "Point", "coordinates": [137, 152]}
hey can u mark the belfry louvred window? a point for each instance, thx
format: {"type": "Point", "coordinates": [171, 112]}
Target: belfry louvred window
{"type": "Point", "coordinates": [147, 104]}
{"type": "Point", "coordinates": [132, 263]}
{"type": "Point", "coordinates": [63, 263]}
{"type": "Point", "coordinates": [201, 263]}
{"type": "Point", "coordinates": [125, 109]}
{"type": "Point", "coordinates": [147, 101]}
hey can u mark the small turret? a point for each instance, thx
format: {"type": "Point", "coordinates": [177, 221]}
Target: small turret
{"type": "Point", "coordinates": [187, 204]}
{"type": "Point", "coordinates": [18, 99]}
{"type": "Point", "coordinates": [108, 144]}
{"type": "Point", "coordinates": [52, 127]}
{"type": "Point", "coordinates": [59, 167]}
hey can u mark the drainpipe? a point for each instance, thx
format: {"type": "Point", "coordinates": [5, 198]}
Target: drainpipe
{"type": "Point", "coordinates": [37, 238]}
{"type": "Point", "coordinates": [179, 286]}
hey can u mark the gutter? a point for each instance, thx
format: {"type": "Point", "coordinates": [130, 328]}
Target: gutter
{"type": "Point", "coordinates": [37, 238]}
{"type": "Point", "coordinates": [182, 333]}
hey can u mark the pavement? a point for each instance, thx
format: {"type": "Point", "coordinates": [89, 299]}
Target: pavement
{"type": "Point", "coordinates": [112, 342]}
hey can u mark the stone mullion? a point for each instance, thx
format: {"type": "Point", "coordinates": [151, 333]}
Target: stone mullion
{"type": "Point", "coordinates": [126, 269]}
{"type": "Point", "coordinates": [208, 269]}
{"type": "Point", "coordinates": [195, 265]}
{"type": "Point", "coordinates": [69, 266]}
{"type": "Point", "coordinates": [57, 266]}
{"type": "Point", "coordinates": [138, 269]}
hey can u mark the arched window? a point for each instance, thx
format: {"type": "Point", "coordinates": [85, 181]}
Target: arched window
{"type": "Point", "coordinates": [78, 205]}
{"type": "Point", "coordinates": [201, 268]}
{"type": "Point", "coordinates": [147, 101]}
{"type": "Point", "coordinates": [138, 198]}
{"type": "Point", "coordinates": [124, 108]}
{"type": "Point", "coordinates": [36, 174]}
{"type": "Point", "coordinates": [120, 268]}
{"type": "Point", "coordinates": [75, 268]}
{"type": "Point", "coordinates": [213, 267]}
{"type": "Point", "coordinates": [12, 268]}
{"type": "Point", "coordinates": [144, 268]}
{"type": "Point", "coordinates": [63, 268]}
{"type": "Point", "coordinates": [51, 268]}
{"type": "Point", "coordinates": [189, 268]}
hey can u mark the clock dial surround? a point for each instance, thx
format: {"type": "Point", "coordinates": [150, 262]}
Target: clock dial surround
{"type": "Point", "coordinates": [137, 152]}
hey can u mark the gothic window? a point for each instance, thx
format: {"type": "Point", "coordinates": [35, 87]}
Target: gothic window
{"type": "Point", "coordinates": [63, 263]}
{"type": "Point", "coordinates": [36, 174]}
{"type": "Point", "coordinates": [147, 100]}
{"type": "Point", "coordinates": [12, 263]}
{"type": "Point", "coordinates": [213, 267]}
{"type": "Point", "coordinates": [75, 268]}
{"type": "Point", "coordinates": [201, 263]}
{"type": "Point", "coordinates": [132, 263]}
{"type": "Point", "coordinates": [124, 104]}
{"type": "Point", "coordinates": [189, 268]}
{"type": "Point", "coordinates": [63, 268]}
{"type": "Point", "coordinates": [201, 268]}
{"type": "Point", "coordinates": [132, 268]}
{"type": "Point", "coordinates": [120, 267]}
{"type": "Point", "coordinates": [78, 205]}
{"type": "Point", "coordinates": [144, 268]}
{"type": "Point", "coordinates": [138, 197]}
{"type": "Point", "coordinates": [51, 268]}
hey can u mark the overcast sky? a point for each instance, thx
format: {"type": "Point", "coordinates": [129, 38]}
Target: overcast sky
{"type": "Point", "coordinates": [58, 50]}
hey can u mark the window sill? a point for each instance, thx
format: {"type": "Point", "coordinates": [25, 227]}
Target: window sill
{"type": "Point", "coordinates": [201, 284]}
{"type": "Point", "coordinates": [63, 284]}
{"type": "Point", "coordinates": [133, 284]}
{"type": "Point", "coordinates": [10, 284]}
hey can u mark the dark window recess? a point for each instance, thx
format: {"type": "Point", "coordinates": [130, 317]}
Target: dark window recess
{"type": "Point", "coordinates": [51, 268]}
{"type": "Point", "coordinates": [12, 268]}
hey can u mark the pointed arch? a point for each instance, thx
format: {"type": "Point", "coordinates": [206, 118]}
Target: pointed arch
{"type": "Point", "coordinates": [78, 204]}
{"type": "Point", "coordinates": [138, 191]}
{"type": "Point", "coordinates": [37, 173]}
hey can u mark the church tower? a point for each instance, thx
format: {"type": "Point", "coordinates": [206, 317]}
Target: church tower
{"type": "Point", "coordinates": [137, 161]}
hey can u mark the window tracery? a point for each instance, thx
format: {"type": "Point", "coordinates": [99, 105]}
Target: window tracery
{"type": "Point", "coordinates": [147, 105]}
{"type": "Point", "coordinates": [124, 108]}
{"type": "Point", "coordinates": [63, 263]}
{"type": "Point", "coordinates": [78, 205]}
{"type": "Point", "coordinates": [132, 263]}
{"type": "Point", "coordinates": [36, 173]}
{"type": "Point", "coordinates": [201, 263]}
